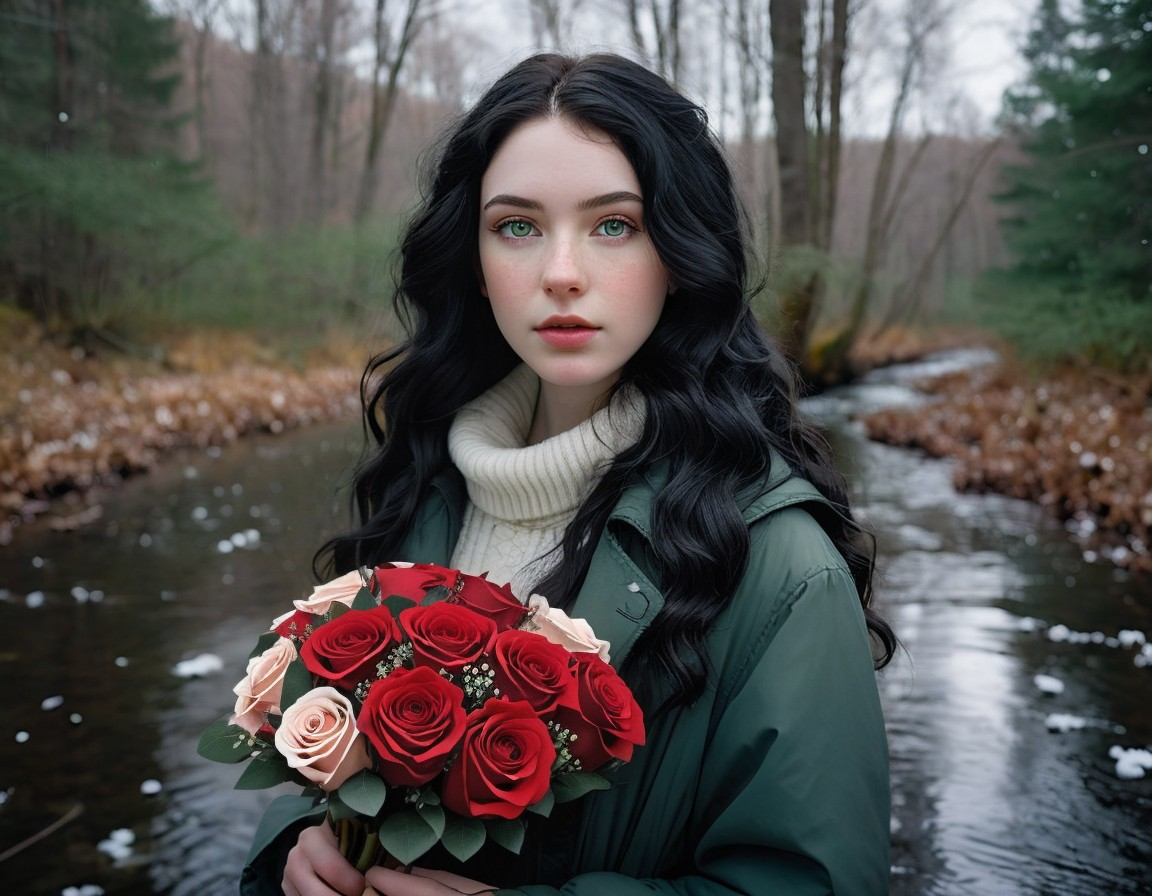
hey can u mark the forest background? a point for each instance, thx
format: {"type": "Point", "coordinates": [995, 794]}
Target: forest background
{"type": "Point", "coordinates": [199, 200]}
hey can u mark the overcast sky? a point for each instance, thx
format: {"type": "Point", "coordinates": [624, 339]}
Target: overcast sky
{"type": "Point", "coordinates": [981, 57]}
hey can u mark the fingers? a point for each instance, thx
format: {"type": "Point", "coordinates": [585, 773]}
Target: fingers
{"type": "Point", "coordinates": [424, 882]}
{"type": "Point", "coordinates": [316, 868]}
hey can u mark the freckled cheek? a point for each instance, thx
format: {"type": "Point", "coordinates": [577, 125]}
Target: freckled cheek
{"type": "Point", "coordinates": [502, 276]}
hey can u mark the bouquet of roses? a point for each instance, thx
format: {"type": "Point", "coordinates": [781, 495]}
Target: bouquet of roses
{"type": "Point", "coordinates": [423, 705]}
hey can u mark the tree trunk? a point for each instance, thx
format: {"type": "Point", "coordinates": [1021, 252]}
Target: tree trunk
{"type": "Point", "coordinates": [820, 137]}
{"type": "Point", "coordinates": [907, 302]}
{"type": "Point", "coordinates": [837, 59]}
{"type": "Point", "coordinates": [322, 103]}
{"type": "Point", "coordinates": [748, 33]}
{"type": "Point", "coordinates": [796, 294]}
{"type": "Point", "coordinates": [258, 116]}
{"type": "Point", "coordinates": [383, 98]}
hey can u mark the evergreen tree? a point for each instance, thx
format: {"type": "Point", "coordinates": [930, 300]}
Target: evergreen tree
{"type": "Point", "coordinates": [95, 206]}
{"type": "Point", "coordinates": [1080, 208]}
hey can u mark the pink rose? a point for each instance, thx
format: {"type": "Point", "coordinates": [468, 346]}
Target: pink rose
{"type": "Point", "coordinates": [574, 635]}
{"type": "Point", "coordinates": [342, 590]}
{"type": "Point", "coordinates": [318, 737]}
{"type": "Point", "coordinates": [258, 693]}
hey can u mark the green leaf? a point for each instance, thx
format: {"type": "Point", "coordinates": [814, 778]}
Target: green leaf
{"type": "Point", "coordinates": [545, 806]}
{"type": "Point", "coordinates": [335, 610]}
{"type": "Point", "coordinates": [463, 837]}
{"type": "Point", "coordinates": [225, 742]}
{"type": "Point", "coordinates": [265, 641]}
{"type": "Point", "coordinates": [407, 836]}
{"type": "Point", "coordinates": [364, 792]}
{"type": "Point", "coordinates": [508, 832]}
{"type": "Point", "coordinates": [364, 600]}
{"type": "Point", "coordinates": [395, 603]}
{"type": "Point", "coordinates": [297, 683]}
{"type": "Point", "coordinates": [576, 784]}
{"type": "Point", "coordinates": [434, 815]}
{"type": "Point", "coordinates": [262, 773]}
{"type": "Point", "coordinates": [432, 595]}
{"type": "Point", "coordinates": [429, 796]}
{"type": "Point", "coordinates": [339, 809]}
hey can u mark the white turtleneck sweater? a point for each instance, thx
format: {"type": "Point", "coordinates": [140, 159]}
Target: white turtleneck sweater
{"type": "Point", "coordinates": [520, 498]}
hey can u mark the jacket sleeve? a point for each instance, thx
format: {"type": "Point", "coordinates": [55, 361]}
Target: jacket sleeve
{"type": "Point", "coordinates": [282, 823]}
{"type": "Point", "coordinates": [793, 797]}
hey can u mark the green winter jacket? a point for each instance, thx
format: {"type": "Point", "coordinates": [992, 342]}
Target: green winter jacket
{"type": "Point", "coordinates": [775, 781]}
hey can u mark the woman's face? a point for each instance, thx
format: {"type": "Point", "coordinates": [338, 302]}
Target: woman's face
{"type": "Point", "coordinates": [575, 283]}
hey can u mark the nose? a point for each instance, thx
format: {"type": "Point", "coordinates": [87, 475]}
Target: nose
{"type": "Point", "coordinates": [563, 275]}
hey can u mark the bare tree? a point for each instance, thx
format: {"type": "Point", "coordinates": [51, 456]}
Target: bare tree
{"type": "Point", "coordinates": [831, 62]}
{"type": "Point", "coordinates": [201, 15]}
{"type": "Point", "coordinates": [797, 291]}
{"type": "Point", "coordinates": [325, 50]}
{"type": "Point", "coordinates": [910, 296]}
{"type": "Point", "coordinates": [391, 42]}
{"type": "Point", "coordinates": [552, 21]}
{"type": "Point", "coordinates": [656, 36]}
{"type": "Point", "coordinates": [749, 34]}
{"type": "Point", "coordinates": [921, 20]}
{"type": "Point", "coordinates": [273, 25]}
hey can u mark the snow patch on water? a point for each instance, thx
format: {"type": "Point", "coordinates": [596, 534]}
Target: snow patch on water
{"type": "Point", "coordinates": [198, 666]}
{"type": "Point", "coordinates": [1048, 684]}
{"type": "Point", "coordinates": [118, 845]}
{"type": "Point", "coordinates": [1131, 764]}
{"type": "Point", "coordinates": [1126, 638]}
{"type": "Point", "coordinates": [1064, 722]}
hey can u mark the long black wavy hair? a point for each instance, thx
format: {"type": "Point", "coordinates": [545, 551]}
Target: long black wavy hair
{"type": "Point", "coordinates": [718, 393]}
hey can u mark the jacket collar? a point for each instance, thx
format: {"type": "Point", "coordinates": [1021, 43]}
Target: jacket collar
{"type": "Point", "coordinates": [619, 596]}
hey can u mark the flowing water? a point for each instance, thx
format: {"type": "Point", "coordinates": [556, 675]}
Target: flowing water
{"type": "Point", "coordinates": [1009, 638]}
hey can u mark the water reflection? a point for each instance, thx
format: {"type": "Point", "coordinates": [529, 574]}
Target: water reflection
{"type": "Point", "coordinates": [175, 583]}
{"type": "Point", "coordinates": [987, 800]}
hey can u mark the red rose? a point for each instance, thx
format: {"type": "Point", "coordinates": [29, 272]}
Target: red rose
{"type": "Point", "coordinates": [607, 721]}
{"type": "Point", "coordinates": [346, 650]}
{"type": "Point", "coordinates": [412, 580]}
{"type": "Point", "coordinates": [447, 636]}
{"type": "Point", "coordinates": [505, 762]}
{"type": "Point", "coordinates": [294, 625]}
{"type": "Point", "coordinates": [530, 667]}
{"type": "Point", "coordinates": [414, 718]}
{"type": "Point", "coordinates": [489, 599]}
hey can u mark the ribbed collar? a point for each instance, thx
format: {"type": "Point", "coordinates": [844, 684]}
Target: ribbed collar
{"type": "Point", "coordinates": [535, 484]}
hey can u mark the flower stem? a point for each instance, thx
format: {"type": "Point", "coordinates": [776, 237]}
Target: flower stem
{"type": "Point", "coordinates": [370, 853]}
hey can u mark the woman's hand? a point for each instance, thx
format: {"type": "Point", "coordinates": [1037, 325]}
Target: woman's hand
{"type": "Point", "coordinates": [423, 882]}
{"type": "Point", "coordinates": [316, 868]}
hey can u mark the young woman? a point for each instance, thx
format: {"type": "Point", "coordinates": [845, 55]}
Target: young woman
{"type": "Point", "coordinates": [586, 407]}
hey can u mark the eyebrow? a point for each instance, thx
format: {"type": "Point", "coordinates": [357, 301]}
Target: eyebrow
{"type": "Point", "coordinates": [584, 204]}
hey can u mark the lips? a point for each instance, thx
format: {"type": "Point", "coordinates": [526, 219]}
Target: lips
{"type": "Point", "coordinates": [567, 332]}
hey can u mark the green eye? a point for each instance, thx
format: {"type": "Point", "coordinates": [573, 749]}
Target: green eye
{"type": "Point", "coordinates": [614, 227]}
{"type": "Point", "coordinates": [518, 229]}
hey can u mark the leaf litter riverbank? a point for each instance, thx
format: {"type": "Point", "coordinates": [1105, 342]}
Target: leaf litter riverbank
{"type": "Point", "coordinates": [72, 422]}
{"type": "Point", "coordinates": [1076, 441]}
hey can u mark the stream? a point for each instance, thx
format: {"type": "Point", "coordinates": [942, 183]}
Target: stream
{"type": "Point", "coordinates": [1016, 709]}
